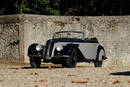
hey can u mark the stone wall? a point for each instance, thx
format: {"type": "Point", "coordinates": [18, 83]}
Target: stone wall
{"type": "Point", "coordinates": [10, 38]}
{"type": "Point", "coordinates": [113, 32]}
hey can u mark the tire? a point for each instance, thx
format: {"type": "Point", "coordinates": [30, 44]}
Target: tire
{"type": "Point", "coordinates": [64, 64]}
{"type": "Point", "coordinates": [100, 55]}
{"type": "Point", "coordinates": [35, 62]}
{"type": "Point", "coordinates": [98, 63]}
{"type": "Point", "coordinates": [71, 61]}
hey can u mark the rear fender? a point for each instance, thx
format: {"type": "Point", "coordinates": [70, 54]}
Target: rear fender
{"type": "Point", "coordinates": [98, 50]}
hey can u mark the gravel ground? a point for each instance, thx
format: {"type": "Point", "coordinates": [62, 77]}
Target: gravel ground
{"type": "Point", "coordinates": [84, 75]}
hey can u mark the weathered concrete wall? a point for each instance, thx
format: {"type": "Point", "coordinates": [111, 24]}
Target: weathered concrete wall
{"type": "Point", "coordinates": [10, 37]}
{"type": "Point", "coordinates": [113, 32]}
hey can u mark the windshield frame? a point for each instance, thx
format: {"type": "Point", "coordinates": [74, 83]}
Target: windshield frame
{"type": "Point", "coordinates": [83, 33]}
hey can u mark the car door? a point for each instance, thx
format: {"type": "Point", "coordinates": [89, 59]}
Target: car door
{"type": "Point", "coordinates": [89, 50]}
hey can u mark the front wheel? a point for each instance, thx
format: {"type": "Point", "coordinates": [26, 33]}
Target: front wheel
{"type": "Point", "coordinates": [35, 62]}
{"type": "Point", "coordinates": [71, 61]}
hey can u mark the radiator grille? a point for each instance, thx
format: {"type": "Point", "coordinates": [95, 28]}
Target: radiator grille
{"type": "Point", "coordinates": [48, 48]}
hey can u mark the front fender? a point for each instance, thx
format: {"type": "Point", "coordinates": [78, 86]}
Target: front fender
{"type": "Point", "coordinates": [32, 52]}
{"type": "Point", "coordinates": [70, 48]}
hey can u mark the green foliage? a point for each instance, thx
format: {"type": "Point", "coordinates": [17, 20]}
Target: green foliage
{"type": "Point", "coordinates": [2, 10]}
{"type": "Point", "coordinates": [22, 7]}
{"type": "Point", "coordinates": [16, 41]}
{"type": "Point", "coordinates": [52, 11]}
{"type": "Point", "coordinates": [65, 7]}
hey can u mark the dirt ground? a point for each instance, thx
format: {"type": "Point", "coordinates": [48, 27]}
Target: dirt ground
{"type": "Point", "coordinates": [84, 75]}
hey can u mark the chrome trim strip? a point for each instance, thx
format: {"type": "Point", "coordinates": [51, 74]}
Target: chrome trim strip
{"type": "Point", "coordinates": [61, 56]}
{"type": "Point", "coordinates": [35, 55]}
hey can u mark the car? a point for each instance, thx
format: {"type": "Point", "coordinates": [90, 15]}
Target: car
{"type": "Point", "coordinates": [67, 48]}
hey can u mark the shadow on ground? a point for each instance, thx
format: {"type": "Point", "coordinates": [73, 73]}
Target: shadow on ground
{"type": "Point", "coordinates": [42, 67]}
{"type": "Point", "coordinates": [46, 67]}
{"type": "Point", "coordinates": [28, 67]}
{"type": "Point", "coordinates": [126, 73]}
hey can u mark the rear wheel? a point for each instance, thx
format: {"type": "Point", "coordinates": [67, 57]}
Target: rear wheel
{"type": "Point", "coordinates": [100, 56]}
{"type": "Point", "coordinates": [98, 63]}
{"type": "Point", "coordinates": [35, 62]}
{"type": "Point", "coordinates": [71, 61]}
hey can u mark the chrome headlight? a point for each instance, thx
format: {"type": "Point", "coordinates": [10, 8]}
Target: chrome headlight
{"type": "Point", "coordinates": [39, 47]}
{"type": "Point", "coordinates": [59, 47]}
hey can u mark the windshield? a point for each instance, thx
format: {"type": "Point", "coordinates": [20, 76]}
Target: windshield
{"type": "Point", "coordinates": [69, 34]}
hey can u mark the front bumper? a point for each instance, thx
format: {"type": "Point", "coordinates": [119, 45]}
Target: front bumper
{"type": "Point", "coordinates": [59, 59]}
{"type": "Point", "coordinates": [61, 56]}
{"type": "Point", "coordinates": [35, 56]}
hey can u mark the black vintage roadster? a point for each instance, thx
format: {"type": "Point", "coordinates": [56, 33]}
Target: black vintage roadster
{"type": "Point", "coordinates": [67, 48]}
